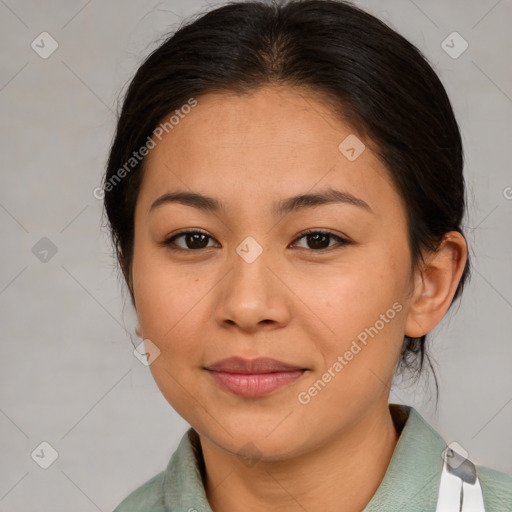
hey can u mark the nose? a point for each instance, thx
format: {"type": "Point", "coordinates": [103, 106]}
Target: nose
{"type": "Point", "coordinates": [253, 295]}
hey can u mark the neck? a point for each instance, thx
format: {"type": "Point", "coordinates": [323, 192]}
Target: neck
{"type": "Point", "coordinates": [347, 469]}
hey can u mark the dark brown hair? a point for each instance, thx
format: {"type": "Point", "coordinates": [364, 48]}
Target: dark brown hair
{"type": "Point", "coordinates": [371, 76]}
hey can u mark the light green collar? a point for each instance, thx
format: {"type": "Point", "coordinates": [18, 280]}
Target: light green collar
{"type": "Point", "coordinates": [410, 483]}
{"type": "Point", "coordinates": [412, 479]}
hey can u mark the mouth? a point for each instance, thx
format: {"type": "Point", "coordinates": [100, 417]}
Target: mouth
{"type": "Point", "coordinates": [253, 377]}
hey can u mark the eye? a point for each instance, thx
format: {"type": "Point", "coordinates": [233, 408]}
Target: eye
{"type": "Point", "coordinates": [320, 240]}
{"type": "Point", "coordinates": [192, 240]}
{"type": "Point", "coordinates": [196, 240]}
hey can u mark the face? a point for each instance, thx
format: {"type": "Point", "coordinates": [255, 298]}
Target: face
{"type": "Point", "coordinates": [243, 279]}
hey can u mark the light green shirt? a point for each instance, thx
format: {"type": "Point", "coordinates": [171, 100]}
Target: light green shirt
{"type": "Point", "coordinates": [410, 484]}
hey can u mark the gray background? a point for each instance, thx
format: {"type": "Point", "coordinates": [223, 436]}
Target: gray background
{"type": "Point", "coordinates": [68, 375]}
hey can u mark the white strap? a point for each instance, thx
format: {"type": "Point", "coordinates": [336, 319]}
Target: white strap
{"type": "Point", "coordinates": [449, 492]}
{"type": "Point", "coordinates": [473, 501]}
{"type": "Point", "coordinates": [459, 489]}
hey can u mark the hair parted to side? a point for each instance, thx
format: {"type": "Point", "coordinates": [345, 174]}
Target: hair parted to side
{"type": "Point", "coordinates": [371, 77]}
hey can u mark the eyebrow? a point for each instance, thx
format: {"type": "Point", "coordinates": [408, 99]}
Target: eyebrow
{"type": "Point", "coordinates": [291, 204]}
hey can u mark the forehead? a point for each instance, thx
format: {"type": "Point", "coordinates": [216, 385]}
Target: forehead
{"type": "Point", "coordinates": [276, 139]}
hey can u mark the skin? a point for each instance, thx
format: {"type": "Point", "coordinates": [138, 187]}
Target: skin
{"type": "Point", "coordinates": [294, 303]}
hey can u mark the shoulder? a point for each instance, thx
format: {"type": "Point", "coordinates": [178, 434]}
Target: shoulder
{"type": "Point", "coordinates": [178, 487]}
{"type": "Point", "coordinates": [496, 489]}
{"type": "Point", "coordinates": [404, 481]}
{"type": "Point", "coordinates": [147, 498]}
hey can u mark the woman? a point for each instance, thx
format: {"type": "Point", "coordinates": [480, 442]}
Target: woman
{"type": "Point", "coordinates": [285, 195]}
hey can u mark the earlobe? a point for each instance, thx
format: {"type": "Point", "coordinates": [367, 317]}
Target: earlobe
{"type": "Point", "coordinates": [435, 284]}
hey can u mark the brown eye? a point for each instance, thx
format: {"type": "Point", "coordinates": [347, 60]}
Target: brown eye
{"type": "Point", "coordinates": [190, 240]}
{"type": "Point", "coordinates": [320, 240]}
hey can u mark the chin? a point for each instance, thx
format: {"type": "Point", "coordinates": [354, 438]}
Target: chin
{"type": "Point", "coordinates": [255, 441]}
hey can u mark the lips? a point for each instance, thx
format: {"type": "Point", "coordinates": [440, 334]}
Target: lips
{"type": "Point", "coordinates": [253, 377]}
{"type": "Point", "coordinates": [258, 365]}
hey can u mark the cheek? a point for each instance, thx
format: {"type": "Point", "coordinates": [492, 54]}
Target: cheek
{"type": "Point", "coordinates": [165, 294]}
{"type": "Point", "coordinates": [363, 304]}
{"type": "Point", "coordinates": [353, 294]}
{"type": "Point", "coordinates": [167, 304]}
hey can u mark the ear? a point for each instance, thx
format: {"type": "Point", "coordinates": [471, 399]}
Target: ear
{"type": "Point", "coordinates": [435, 284]}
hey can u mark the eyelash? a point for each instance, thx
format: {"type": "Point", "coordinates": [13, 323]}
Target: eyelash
{"type": "Point", "coordinates": [169, 242]}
